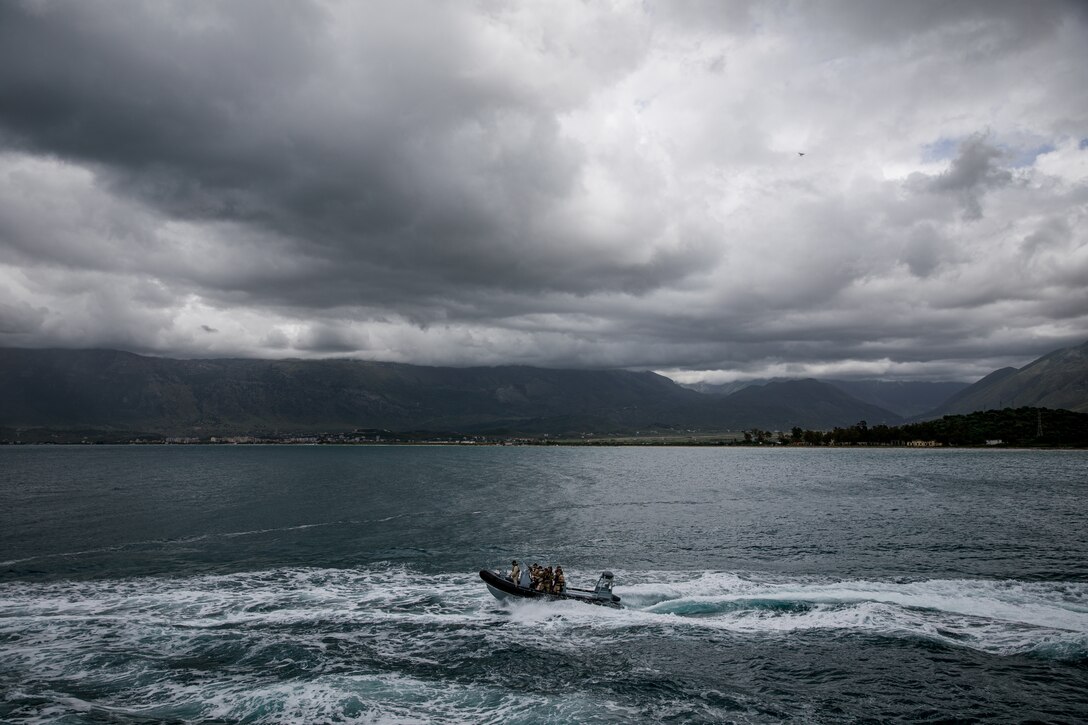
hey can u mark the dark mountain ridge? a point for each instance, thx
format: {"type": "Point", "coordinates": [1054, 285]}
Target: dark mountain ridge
{"type": "Point", "coordinates": [112, 390]}
{"type": "Point", "coordinates": [1057, 380]}
{"type": "Point", "coordinates": [801, 403]}
{"type": "Point", "coordinates": [905, 398]}
{"type": "Point", "coordinates": [119, 391]}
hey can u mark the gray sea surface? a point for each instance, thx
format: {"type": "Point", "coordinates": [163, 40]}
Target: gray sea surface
{"type": "Point", "coordinates": [268, 584]}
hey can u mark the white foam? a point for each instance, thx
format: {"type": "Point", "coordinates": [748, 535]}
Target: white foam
{"type": "Point", "coordinates": [61, 630]}
{"type": "Point", "coordinates": [999, 617]}
{"type": "Point", "coordinates": [1003, 617]}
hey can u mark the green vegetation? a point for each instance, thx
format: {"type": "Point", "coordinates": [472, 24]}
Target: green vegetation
{"type": "Point", "coordinates": [1009, 427]}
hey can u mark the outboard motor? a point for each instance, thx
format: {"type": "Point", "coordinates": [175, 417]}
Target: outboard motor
{"type": "Point", "coordinates": [603, 590]}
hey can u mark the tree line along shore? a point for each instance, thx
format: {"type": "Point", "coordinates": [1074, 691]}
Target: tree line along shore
{"type": "Point", "coordinates": [1010, 427]}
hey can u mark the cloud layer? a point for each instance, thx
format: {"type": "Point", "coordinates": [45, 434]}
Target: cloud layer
{"type": "Point", "coordinates": [583, 184]}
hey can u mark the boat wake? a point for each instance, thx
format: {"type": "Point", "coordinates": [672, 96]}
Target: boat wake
{"type": "Point", "coordinates": [1001, 617]}
{"type": "Point", "coordinates": [997, 617]}
{"type": "Point", "coordinates": [387, 643]}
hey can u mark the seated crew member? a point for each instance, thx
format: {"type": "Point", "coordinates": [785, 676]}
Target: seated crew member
{"type": "Point", "coordinates": [547, 581]}
{"type": "Point", "coordinates": [515, 571]}
{"type": "Point", "coordinates": [560, 580]}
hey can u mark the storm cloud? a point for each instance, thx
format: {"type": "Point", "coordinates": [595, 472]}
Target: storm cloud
{"type": "Point", "coordinates": [582, 184]}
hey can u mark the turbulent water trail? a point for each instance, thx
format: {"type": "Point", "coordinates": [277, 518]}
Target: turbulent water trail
{"type": "Point", "coordinates": [338, 584]}
{"type": "Point", "coordinates": [390, 644]}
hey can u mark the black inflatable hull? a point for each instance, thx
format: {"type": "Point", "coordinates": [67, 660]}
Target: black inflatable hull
{"type": "Point", "coordinates": [502, 588]}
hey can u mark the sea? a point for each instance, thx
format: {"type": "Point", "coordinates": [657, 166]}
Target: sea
{"type": "Point", "coordinates": [334, 584]}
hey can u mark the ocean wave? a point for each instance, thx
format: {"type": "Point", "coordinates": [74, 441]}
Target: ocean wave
{"type": "Point", "coordinates": [387, 642]}
{"type": "Point", "coordinates": [994, 616]}
{"type": "Point", "coordinates": [998, 617]}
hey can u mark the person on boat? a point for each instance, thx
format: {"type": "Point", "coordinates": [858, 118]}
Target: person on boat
{"type": "Point", "coordinates": [547, 581]}
{"type": "Point", "coordinates": [560, 581]}
{"type": "Point", "coordinates": [526, 580]}
{"type": "Point", "coordinates": [535, 575]}
{"type": "Point", "coordinates": [515, 571]}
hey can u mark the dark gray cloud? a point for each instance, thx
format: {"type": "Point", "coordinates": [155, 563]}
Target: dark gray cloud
{"type": "Point", "coordinates": [402, 157]}
{"type": "Point", "coordinates": [923, 251]}
{"type": "Point", "coordinates": [976, 169]}
{"type": "Point", "coordinates": [20, 319]}
{"type": "Point", "coordinates": [582, 185]}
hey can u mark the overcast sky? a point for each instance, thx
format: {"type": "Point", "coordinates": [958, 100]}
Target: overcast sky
{"type": "Point", "coordinates": [583, 184]}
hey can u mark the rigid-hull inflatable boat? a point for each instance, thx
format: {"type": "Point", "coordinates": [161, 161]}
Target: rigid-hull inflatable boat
{"type": "Point", "coordinates": [505, 588]}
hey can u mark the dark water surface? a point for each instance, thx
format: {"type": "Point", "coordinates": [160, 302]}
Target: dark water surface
{"type": "Point", "coordinates": [338, 584]}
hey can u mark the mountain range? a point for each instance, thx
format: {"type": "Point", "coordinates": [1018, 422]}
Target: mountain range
{"type": "Point", "coordinates": [906, 399]}
{"type": "Point", "coordinates": [109, 390]}
{"type": "Point", "coordinates": [1056, 380]}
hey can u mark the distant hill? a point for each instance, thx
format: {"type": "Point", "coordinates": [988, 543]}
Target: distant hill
{"type": "Point", "coordinates": [726, 388]}
{"type": "Point", "coordinates": [1058, 380]}
{"type": "Point", "coordinates": [803, 403]}
{"type": "Point", "coordinates": [904, 398]}
{"type": "Point", "coordinates": [111, 389]}
{"type": "Point", "coordinates": [120, 391]}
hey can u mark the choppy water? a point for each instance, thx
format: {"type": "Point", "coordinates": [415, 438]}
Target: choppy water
{"type": "Point", "coordinates": [319, 584]}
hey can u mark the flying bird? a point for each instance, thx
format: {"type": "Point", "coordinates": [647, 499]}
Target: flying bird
{"type": "Point", "coordinates": [800, 153]}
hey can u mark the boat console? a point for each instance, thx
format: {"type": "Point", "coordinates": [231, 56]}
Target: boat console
{"type": "Point", "coordinates": [603, 590]}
